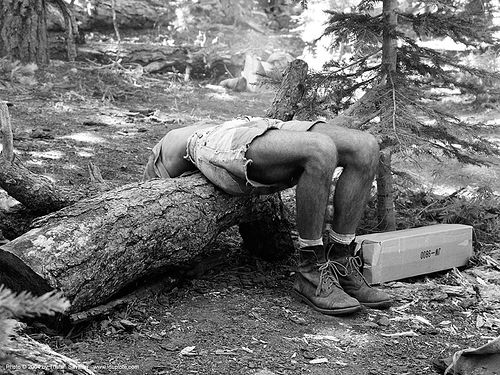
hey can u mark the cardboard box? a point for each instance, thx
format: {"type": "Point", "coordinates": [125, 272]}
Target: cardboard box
{"type": "Point", "coordinates": [410, 252]}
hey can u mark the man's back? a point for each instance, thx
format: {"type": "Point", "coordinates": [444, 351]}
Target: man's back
{"type": "Point", "coordinates": [168, 155]}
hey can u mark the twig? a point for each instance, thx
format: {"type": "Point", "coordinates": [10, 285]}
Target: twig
{"type": "Point", "coordinates": [424, 209]}
{"type": "Point", "coordinates": [6, 129]}
{"type": "Point", "coordinates": [115, 24]}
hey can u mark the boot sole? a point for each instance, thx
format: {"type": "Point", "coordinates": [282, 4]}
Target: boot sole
{"type": "Point", "coordinates": [382, 305]}
{"type": "Point", "coordinates": [340, 311]}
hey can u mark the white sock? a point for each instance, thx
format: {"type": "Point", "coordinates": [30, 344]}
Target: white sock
{"type": "Point", "coordinates": [308, 243]}
{"type": "Point", "coordinates": [344, 239]}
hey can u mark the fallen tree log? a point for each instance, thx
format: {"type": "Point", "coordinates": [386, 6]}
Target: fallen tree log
{"type": "Point", "coordinates": [99, 15]}
{"type": "Point", "coordinates": [156, 58]}
{"type": "Point", "coordinates": [95, 248]}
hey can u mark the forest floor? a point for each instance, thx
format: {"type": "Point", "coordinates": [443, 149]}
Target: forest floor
{"type": "Point", "coordinates": [240, 318]}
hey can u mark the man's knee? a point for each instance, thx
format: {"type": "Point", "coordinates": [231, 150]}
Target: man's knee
{"type": "Point", "coordinates": [321, 151]}
{"type": "Point", "coordinates": [367, 154]}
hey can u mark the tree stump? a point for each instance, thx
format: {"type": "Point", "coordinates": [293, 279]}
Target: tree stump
{"type": "Point", "coordinates": [287, 99]}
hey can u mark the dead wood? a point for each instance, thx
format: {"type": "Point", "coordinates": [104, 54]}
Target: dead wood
{"type": "Point", "coordinates": [96, 247]}
{"type": "Point", "coordinates": [287, 99]}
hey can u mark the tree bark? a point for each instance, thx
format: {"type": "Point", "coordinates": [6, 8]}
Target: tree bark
{"type": "Point", "coordinates": [390, 41]}
{"type": "Point", "coordinates": [385, 188]}
{"type": "Point", "coordinates": [24, 31]}
{"type": "Point", "coordinates": [287, 99]}
{"type": "Point", "coordinates": [98, 246]}
{"type": "Point", "coordinates": [385, 193]}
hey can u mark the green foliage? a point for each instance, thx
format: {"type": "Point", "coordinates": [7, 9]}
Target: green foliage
{"type": "Point", "coordinates": [403, 106]}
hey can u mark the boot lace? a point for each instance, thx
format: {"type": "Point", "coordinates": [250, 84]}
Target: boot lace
{"type": "Point", "coordinates": [329, 273]}
{"type": "Point", "coordinates": [353, 268]}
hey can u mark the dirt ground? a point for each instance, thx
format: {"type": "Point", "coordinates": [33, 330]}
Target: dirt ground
{"type": "Point", "coordinates": [241, 318]}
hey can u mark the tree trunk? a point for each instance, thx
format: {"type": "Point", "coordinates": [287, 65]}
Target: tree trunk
{"type": "Point", "coordinates": [385, 193]}
{"type": "Point", "coordinates": [24, 30]}
{"type": "Point", "coordinates": [390, 41]}
{"type": "Point", "coordinates": [385, 201]}
{"type": "Point", "coordinates": [98, 246]}
{"type": "Point", "coordinates": [286, 102]}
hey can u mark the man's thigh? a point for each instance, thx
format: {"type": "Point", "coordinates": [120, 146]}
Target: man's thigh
{"type": "Point", "coordinates": [278, 156]}
{"type": "Point", "coordinates": [348, 141]}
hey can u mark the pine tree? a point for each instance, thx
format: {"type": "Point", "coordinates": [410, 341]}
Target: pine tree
{"type": "Point", "coordinates": [398, 74]}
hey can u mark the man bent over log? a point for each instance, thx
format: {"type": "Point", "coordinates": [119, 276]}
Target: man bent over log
{"type": "Point", "coordinates": [264, 156]}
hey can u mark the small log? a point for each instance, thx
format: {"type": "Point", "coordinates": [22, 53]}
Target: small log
{"type": "Point", "coordinates": [287, 99]}
{"type": "Point", "coordinates": [95, 248]}
{"type": "Point", "coordinates": [36, 192]}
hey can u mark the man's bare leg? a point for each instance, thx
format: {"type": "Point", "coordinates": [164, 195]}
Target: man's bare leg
{"type": "Point", "coordinates": [310, 159]}
{"type": "Point", "coordinates": [358, 154]}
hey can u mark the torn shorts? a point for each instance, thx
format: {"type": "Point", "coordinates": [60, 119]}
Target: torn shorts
{"type": "Point", "coordinates": [219, 152]}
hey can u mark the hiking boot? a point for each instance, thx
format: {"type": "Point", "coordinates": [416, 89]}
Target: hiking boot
{"type": "Point", "coordinates": [316, 283]}
{"type": "Point", "coordinates": [352, 280]}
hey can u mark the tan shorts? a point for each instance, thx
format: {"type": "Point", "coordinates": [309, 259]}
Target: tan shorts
{"type": "Point", "coordinates": [219, 152]}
